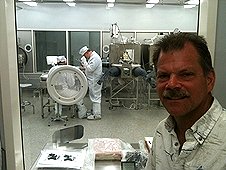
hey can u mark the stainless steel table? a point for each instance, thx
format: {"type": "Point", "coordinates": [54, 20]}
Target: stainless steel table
{"type": "Point", "coordinates": [99, 165]}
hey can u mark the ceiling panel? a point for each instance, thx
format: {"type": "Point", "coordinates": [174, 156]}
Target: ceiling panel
{"type": "Point", "coordinates": [179, 2]}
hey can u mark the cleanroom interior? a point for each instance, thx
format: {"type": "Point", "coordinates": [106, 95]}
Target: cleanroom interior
{"type": "Point", "coordinates": [130, 106]}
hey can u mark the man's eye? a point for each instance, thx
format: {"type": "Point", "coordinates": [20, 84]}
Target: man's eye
{"type": "Point", "coordinates": [187, 75]}
{"type": "Point", "coordinates": [162, 76]}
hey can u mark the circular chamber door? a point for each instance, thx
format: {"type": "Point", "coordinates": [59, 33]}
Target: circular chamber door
{"type": "Point", "coordinates": [22, 57]}
{"type": "Point", "coordinates": [106, 49]}
{"type": "Point", "coordinates": [66, 84]}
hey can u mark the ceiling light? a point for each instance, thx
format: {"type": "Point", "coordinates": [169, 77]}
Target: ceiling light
{"type": "Point", "coordinates": [189, 6]}
{"type": "Point", "coordinates": [150, 5]}
{"type": "Point", "coordinates": [31, 3]}
{"type": "Point", "coordinates": [152, 1]}
{"type": "Point", "coordinates": [192, 2]}
{"type": "Point", "coordinates": [72, 4]}
{"type": "Point", "coordinates": [110, 5]}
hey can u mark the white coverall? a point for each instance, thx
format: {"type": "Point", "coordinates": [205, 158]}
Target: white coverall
{"type": "Point", "coordinates": [93, 71]}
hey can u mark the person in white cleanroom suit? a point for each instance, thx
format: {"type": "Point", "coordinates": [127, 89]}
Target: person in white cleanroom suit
{"type": "Point", "coordinates": [92, 64]}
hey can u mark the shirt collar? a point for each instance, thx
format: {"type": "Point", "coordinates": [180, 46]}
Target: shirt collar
{"type": "Point", "coordinates": [204, 125]}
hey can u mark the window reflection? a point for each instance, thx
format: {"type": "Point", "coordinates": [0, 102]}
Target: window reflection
{"type": "Point", "coordinates": [49, 43]}
{"type": "Point", "coordinates": [78, 39]}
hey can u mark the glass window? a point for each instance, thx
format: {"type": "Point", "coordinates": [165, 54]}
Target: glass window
{"type": "Point", "coordinates": [78, 39]}
{"type": "Point", "coordinates": [49, 43]}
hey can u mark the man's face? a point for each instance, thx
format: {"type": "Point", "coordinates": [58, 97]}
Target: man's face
{"type": "Point", "coordinates": [181, 84]}
{"type": "Point", "coordinates": [87, 54]}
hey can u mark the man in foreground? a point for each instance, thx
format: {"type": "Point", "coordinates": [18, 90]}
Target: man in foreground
{"type": "Point", "coordinates": [193, 136]}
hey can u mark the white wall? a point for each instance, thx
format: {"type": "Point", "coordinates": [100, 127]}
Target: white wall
{"type": "Point", "coordinates": [212, 25]}
{"type": "Point", "coordinates": [207, 24]}
{"type": "Point", "coordinates": [97, 17]}
{"type": "Point", "coordinates": [220, 53]}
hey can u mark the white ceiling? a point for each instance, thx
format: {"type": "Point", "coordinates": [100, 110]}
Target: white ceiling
{"type": "Point", "coordinates": [173, 2]}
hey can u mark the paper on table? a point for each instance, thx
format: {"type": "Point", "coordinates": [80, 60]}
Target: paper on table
{"type": "Point", "coordinates": [62, 159]}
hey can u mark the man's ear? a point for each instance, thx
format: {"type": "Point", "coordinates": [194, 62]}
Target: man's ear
{"type": "Point", "coordinates": [211, 80]}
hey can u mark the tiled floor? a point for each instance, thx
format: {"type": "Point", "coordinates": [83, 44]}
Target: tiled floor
{"type": "Point", "coordinates": [125, 123]}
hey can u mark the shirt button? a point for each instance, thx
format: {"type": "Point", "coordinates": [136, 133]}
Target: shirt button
{"type": "Point", "coordinates": [200, 138]}
{"type": "Point", "coordinates": [176, 144]}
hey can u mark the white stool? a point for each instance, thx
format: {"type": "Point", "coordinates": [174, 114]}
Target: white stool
{"type": "Point", "coordinates": [24, 102]}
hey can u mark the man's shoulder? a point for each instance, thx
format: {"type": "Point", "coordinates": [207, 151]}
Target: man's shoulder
{"type": "Point", "coordinates": [162, 124]}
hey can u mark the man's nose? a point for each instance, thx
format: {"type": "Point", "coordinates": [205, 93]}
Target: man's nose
{"type": "Point", "coordinates": [173, 81]}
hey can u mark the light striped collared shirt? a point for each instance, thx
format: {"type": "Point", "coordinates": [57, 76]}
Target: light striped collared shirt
{"type": "Point", "coordinates": [204, 148]}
